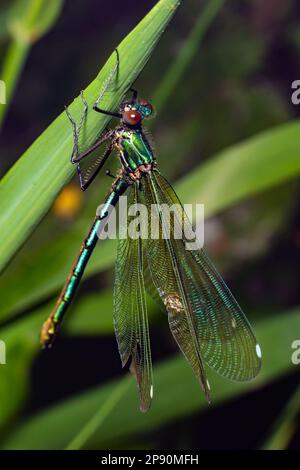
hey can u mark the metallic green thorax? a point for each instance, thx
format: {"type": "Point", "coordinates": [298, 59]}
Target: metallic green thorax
{"type": "Point", "coordinates": [134, 149]}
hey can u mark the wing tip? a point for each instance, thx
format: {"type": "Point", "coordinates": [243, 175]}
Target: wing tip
{"type": "Point", "coordinates": [205, 386]}
{"type": "Point", "coordinates": [145, 402]}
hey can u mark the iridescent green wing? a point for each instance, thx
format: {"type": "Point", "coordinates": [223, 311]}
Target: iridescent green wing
{"type": "Point", "coordinates": [226, 339]}
{"type": "Point", "coordinates": [171, 284]}
{"type": "Point", "coordinates": [149, 284]}
{"type": "Point", "coordinates": [130, 312]}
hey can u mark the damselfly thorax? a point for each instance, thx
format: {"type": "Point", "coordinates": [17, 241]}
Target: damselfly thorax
{"type": "Point", "coordinates": [135, 152]}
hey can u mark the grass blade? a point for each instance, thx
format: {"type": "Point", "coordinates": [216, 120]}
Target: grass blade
{"type": "Point", "coordinates": [285, 425]}
{"type": "Point", "coordinates": [99, 417]}
{"type": "Point", "coordinates": [27, 22]}
{"type": "Point", "coordinates": [172, 78]}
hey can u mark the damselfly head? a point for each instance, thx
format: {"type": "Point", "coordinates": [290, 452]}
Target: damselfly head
{"type": "Point", "coordinates": [133, 112]}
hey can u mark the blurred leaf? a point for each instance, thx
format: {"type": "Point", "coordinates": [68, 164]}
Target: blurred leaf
{"type": "Point", "coordinates": [4, 12]}
{"type": "Point", "coordinates": [30, 19]}
{"type": "Point", "coordinates": [285, 426]}
{"type": "Point", "coordinates": [174, 383]}
{"type": "Point", "coordinates": [29, 188]}
{"type": "Point", "coordinates": [93, 314]}
{"type": "Point", "coordinates": [14, 381]}
{"type": "Point", "coordinates": [186, 54]}
{"type": "Point", "coordinates": [261, 162]}
{"type": "Point", "coordinates": [21, 346]}
{"type": "Point", "coordinates": [11, 71]}
{"type": "Point", "coordinates": [27, 21]}
{"type": "Point", "coordinates": [260, 219]}
{"type": "Point", "coordinates": [96, 421]}
{"type": "Point", "coordinates": [234, 51]}
{"type": "Point", "coordinates": [240, 171]}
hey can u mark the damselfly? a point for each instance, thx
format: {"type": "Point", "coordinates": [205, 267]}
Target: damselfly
{"type": "Point", "coordinates": [204, 317]}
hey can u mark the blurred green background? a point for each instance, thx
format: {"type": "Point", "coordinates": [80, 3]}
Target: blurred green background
{"type": "Point", "coordinates": [226, 134]}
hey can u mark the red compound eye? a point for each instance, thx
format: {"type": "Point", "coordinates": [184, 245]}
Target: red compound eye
{"type": "Point", "coordinates": [132, 117]}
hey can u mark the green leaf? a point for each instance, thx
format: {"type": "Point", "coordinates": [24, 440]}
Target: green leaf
{"type": "Point", "coordinates": [54, 428]}
{"type": "Point", "coordinates": [243, 170]}
{"type": "Point", "coordinates": [186, 54]}
{"type": "Point", "coordinates": [29, 188]}
{"type": "Point", "coordinates": [96, 421]}
{"type": "Point", "coordinates": [26, 21]}
{"type": "Point", "coordinates": [240, 171]}
{"type": "Point", "coordinates": [21, 344]}
{"type": "Point", "coordinates": [4, 13]}
{"type": "Point", "coordinates": [93, 314]}
{"type": "Point", "coordinates": [285, 425]}
{"type": "Point", "coordinates": [31, 19]}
